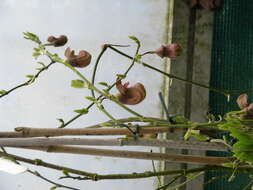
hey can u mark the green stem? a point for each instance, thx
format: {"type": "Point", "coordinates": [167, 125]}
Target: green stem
{"type": "Point", "coordinates": [58, 185]}
{"type": "Point", "coordinates": [94, 75]}
{"type": "Point", "coordinates": [108, 89]}
{"type": "Point", "coordinates": [164, 187]}
{"type": "Point", "coordinates": [224, 92]}
{"type": "Point", "coordinates": [28, 82]}
{"type": "Point", "coordinates": [96, 66]}
{"type": "Point", "coordinates": [92, 86]}
{"type": "Point", "coordinates": [146, 174]}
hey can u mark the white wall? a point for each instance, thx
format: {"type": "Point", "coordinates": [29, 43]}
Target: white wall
{"type": "Point", "coordinates": [88, 24]}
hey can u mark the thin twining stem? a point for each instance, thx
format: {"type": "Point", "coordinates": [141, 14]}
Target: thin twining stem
{"type": "Point", "coordinates": [221, 91]}
{"type": "Point", "coordinates": [37, 174]}
{"type": "Point", "coordinates": [94, 75]}
{"type": "Point", "coordinates": [135, 175]}
{"type": "Point", "coordinates": [28, 82]}
{"type": "Point", "coordinates": [115, 100]}
{"type": "Point", "coordinates": [58, 185]}
{"type": "Point", "coordinates": [93, 81]}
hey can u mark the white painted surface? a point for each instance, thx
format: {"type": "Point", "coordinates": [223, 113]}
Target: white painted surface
{"type": "Point", "coordinates": [88, 24]}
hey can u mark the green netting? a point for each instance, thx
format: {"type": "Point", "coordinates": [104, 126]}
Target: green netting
{"type": "Point", "coordinates": [232, 68]}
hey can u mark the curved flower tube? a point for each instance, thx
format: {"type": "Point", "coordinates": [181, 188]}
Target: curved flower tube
{"type": "Point", "coordinates": [243, 104]}
{"type": "Point", "coordinates": [57, 42]}
{"type": "Point", "coordinates": [83, 58]}
{"type": "Point", "coordinates": [130, 95]}
{"type": "Point", "coordinates": [169, 51]}
{"type": "Point", "coordinates": [206, 4]}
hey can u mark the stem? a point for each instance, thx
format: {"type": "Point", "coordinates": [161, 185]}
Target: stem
{"type": "Point", "coordinates": [146, 174]}
{"type": "Point", "coordinates": [148, 52]}
{"type": "Point", "coordinates": [134, 154]}
{"type": "Point", "coordinates": [224, 92]}
{"type": "Point", "coordinates": [164, 106]}
{"type": "Point", "coordinates": [164, 187]}
{"type": "Point", "coordinates": [37, 174]}
{"type": "Point", "coordinates": [99, 91]}
{"type": "Point", "coordinates": [28, 82]}
{"type": "Point", "coordinates": [38, 162]}
{"type": "Point", "coordinates": [93, 81]}
{"type": "Point", "coordinates": [104, 48]}
{"type": "Point", "coordinates": [173, 144]}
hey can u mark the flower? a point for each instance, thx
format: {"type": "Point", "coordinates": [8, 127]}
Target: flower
{"type": "Point", "coordinates": [130, 95]}
{"type": "Point", "coordinates": [206, 4]}
{"type": "Point", "coordinates": [61, 41]}
{"type": "Point", "coordinates": [170, 51]}
{"type": "Point", "coordinates": [243, 104]}
{"type": "Point", "coordinates": [83, 58]}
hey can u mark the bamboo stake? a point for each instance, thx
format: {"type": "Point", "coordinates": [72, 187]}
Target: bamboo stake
{"type": "Point", "coordinates": [206, 160]}
{"type": "Point", "coordinates": [179, 144]}
{"type": "Point", "coordinates": [50, 132]}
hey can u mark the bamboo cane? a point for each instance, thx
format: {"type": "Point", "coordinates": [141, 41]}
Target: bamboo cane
{"type": "Point", "coordinates": [173, 144]}
{"type": "Point", "coordinates": [206, 160]}
{"type": "Point", "coordinates": [50, 132]}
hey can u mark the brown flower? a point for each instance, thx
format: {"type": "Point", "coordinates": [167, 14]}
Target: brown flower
{"type": "Point", "coordinates": [81, 60]}
{"type": "Point", "coordinates": [170, 51]}
{"type": "Point", "coordinates": [130, 95]}
{"type": "Point", "coordinates": [206, 4]}
{"type": "Point", "coordinates": [242, 101]}
{"type": "Point", "coordinates": [243, 104]}
{"type": "Point", "coordinates": [61, 41]}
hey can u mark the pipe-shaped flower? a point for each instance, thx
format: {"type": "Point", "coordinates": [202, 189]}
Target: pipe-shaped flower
{"type": "Point", "coordinates": [57, 42]}
{"type": "Point", "coordinates": [243, 104]}
{"type": "Point", "coordinates": [242, 101]}
{"type": "Point", "coordinates": [83, 58]}
{"type": "Point", "coordinates": [130, 95]}
{"type": "Point", "coordinates": [206, 4]}
{"type": "Point", "coordinates": [170, 51]}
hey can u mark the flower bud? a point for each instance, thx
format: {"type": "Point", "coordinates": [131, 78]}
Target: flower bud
{"type": "Point", "coordinates": [61, 41]}
{"type": "Point", "coordinates": [130, 95]}
{"type": "Point", "coordinates": [206, 4]}
{"type": "Point", "coordinates": [170, 51]}
{"type": "Point", "coordinates": [83, 59]}
{"type": "Point", "coordinates": [250, 109]}
{"type": "Point", "coordinates": [242, 101]}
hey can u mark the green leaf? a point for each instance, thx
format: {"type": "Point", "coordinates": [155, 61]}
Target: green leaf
{"type": "Point", "coordinates": [187, 135]}
{"type": "Point", "coordinates": [36, 54]}
{"type": "Point", "coordinates": [103, 84]}
{"type": "Point", "coordinates": [135, 39]}
{"type": "Point", "coordinates": [180, 119]}
{"type": "Point", "coordinates": [41, 63]}
{"type": "Point", "coordinates": [242, 147]}
{"type": "Point", "coordinates": [55, 57]}
{"type": "Point", "coordinates": [77, 83]}
{"type": "Point", "coordinates": [2, 92]}
{"type": "Point", "coordinates": [32, 37]}
{"type": "Point", "coordinates": [247, 157]}
{"type": "Point", "coordinates": [120, 76]}
{"type": "Point", "coordinates": [228, 165]}
{"type": "Point", "coordinates": [65, 172]}
{"type": "Point", "coordinates": [62, 122]}
{"type": "Point", "coordinates": [200, 137]}
{"type": "Point", "coordinates": [30, 76]}
{"type": "Point", "coordinates": [54, 187]}
{"type": "Point", "coordinates": [82, 111]}
{"type": "Point", "coordinates": [36, 49]}
{"type": "Point", "coordinates": [137, 57]}
{"type": "Point", "coordinates": [91, 98]}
